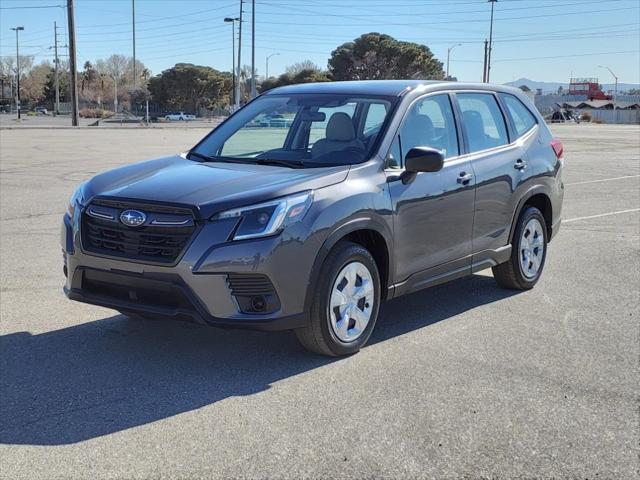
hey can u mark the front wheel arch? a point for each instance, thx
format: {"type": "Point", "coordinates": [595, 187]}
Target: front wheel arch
{"type": "Point", "coordinates": [357, 231]}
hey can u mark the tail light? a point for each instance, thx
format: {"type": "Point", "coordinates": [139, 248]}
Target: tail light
{"type": "Point", "coordinates": [558, 148]}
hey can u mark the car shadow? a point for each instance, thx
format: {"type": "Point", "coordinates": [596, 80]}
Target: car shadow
{"type": "Point", "coordinates": [101, 377]}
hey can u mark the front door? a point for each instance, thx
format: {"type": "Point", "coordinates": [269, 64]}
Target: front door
{"type": "Point", "coordinates": [433, 215]}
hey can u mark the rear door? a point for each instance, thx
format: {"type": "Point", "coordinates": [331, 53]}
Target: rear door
{"type": "Point", "coordinates": [433, 213]}
{"type": "Point", "coordinates": [500, 165]}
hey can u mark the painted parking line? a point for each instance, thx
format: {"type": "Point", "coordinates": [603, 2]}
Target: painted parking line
{"type": "Point", "coordinates": [600, 215]}
{"type": "Point", "coordinates": [601, 180]}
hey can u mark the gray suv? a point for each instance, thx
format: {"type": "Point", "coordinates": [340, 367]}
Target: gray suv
{"type": "Point", "coordinates": [360, 192]}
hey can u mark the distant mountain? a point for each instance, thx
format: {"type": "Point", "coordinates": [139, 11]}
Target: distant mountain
{"type": "Point", "coordinates": [553, 86]}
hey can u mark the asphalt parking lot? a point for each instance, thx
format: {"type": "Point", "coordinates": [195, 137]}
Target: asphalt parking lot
{"type": "Point", "coordinates": [461, 381]}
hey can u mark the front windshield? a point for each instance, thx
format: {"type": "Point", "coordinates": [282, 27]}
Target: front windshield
{"type": "Point", "coordinates": [308, 130]}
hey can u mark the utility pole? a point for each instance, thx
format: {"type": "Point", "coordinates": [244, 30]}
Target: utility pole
{"type": "Point", "coordinates": [484, 63]}
{"type": "Point", "coordinates": [17, 29]}
{"type": "Point", "coordinates": [492, 2]}
{"type": "Point", "coordinates": [239, 82]}
{"type": "Point", "coordinates": [56, 108]}
{"type": "Point", "coordinates": [133, 19]}
{"type": "Point", "coordinates": [254, 93]}
{"type": "Point", "coordinates": [72, 64]}
{"type": "Point", "coordinates": [449, 55]}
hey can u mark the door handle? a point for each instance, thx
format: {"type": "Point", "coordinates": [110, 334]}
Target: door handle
{"type": "Point", "coordinates": [464, 178]}
{"type": "Point", "coordinates": [520, 164]}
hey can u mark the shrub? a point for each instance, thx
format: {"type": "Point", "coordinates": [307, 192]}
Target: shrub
{"type": "Point", "coordinates": [94, 113]}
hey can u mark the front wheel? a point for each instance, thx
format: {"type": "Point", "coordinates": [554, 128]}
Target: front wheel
{"type": "Point", "coordinates": [345, 309]}
{"type": "Point", "coordinates": [528, 254]}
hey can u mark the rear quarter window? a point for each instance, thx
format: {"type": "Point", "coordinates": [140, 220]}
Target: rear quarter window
{"type": "Point", "coordinates": [523, 119]}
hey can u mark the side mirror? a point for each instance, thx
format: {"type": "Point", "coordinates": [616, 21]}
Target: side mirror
{"type": "Point", "coordinates": [421, 159]}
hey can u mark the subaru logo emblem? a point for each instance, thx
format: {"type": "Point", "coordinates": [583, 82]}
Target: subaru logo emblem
{"type": "Point", "coordinates": [133, 218]}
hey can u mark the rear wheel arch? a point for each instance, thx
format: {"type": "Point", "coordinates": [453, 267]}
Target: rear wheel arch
{"type": "Point", "coordinates": [536, 197]}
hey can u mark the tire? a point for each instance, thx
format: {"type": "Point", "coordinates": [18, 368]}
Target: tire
{"type": "Point", "coordinates": [327, 335]}
{"type": "Point", "coordinates": [524, 268]}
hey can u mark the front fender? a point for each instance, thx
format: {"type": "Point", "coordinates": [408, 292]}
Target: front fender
{"type": "Point", "coordinates": [369, 222]}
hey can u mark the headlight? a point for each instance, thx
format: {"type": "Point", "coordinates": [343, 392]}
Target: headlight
{"type": "Point", "coordinates": [76, 200]}
{"type": "Point", "coordinates": [268, 218]}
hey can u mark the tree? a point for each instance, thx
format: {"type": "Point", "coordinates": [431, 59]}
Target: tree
{"type": "Point", "coordinates": [302, 66]}
{"type": "Point", "coordinates": [189, 87]}
{"type": "Point", "coordinates": [301, 72]}
{"type": "Point", "coordinates": [32, 86]}
{"type": "Point", "coordinates": [88, 77]}
{"type": "Point", "coordinates": [8, 66]}
{"type": "Point", "coordinates": [139, 96]}
{"type": "Point", "coordinates": [50, 85]}
{"type": "Point", "coordinates": [99, 82]}
{"type": "Point", "coordinates": [375, 56]}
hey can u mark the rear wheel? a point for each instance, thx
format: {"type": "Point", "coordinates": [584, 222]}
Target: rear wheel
{"type": "Point", "coordinates": [345, 309]}
{"type": "Point", "coordinates": [528, 253]}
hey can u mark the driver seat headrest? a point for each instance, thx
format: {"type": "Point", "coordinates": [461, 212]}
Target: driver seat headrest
{"type": "Point", "coordinates": [340, 128]}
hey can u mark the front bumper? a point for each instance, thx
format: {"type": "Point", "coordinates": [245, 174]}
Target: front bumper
{"type": "Point", "coordinates": [197, 288]}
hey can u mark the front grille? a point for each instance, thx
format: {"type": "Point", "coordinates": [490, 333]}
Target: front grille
{"type": "Point", "coordinates": [157, 240]}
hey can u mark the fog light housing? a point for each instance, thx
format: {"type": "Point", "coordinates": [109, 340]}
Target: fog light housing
{"type": "Point", "coordinates": [253, 293]}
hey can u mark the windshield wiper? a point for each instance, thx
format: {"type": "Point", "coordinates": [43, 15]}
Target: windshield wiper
{"type": "Point", "coordinates": [285, 163]}
{"type": "Point", "coordinates": [217, 158]}
{"type": "Point", "coordinates": [199, 155]}
{"type": "Point", "coordinates": [291, 163]}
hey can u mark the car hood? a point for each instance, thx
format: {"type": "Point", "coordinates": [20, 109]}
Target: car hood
{"type": "Point", "coordinates": [208, 187]}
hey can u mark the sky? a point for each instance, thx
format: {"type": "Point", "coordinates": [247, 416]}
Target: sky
{"type": "Point", "coordinates": [543, 40]}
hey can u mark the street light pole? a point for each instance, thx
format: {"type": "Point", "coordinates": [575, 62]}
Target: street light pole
{"type": "Point", "coordinates": [57, 74]}
{"type": "Point", "coordinates": [17, 29]}
{"type": "Point", "coordinates": [449, 55]}
{"type": "Point", "coordinates": [267, 70]}
{"type": "Point", "coordinates": [615, 92]}
{"type": "Point", "coordinates": [254, 92]}
{"type": "Point", "coordinates": [492, 2]}
{"type": "Point", "coordinates": [133, 21]}
{"type": "Point", "coordinates": [73, 67]}
{"type": "Point", "coordinates": [233, 21]}
{"type": "Point", "coordinates": [239, 82]}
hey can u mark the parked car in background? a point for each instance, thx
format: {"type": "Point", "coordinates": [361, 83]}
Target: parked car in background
{"type": "Point", "coordinates": [41, 110]}
{"type": "Point", "coordinates": [179, 116]}
{"type": "Point", "coordinates": [376, 189]}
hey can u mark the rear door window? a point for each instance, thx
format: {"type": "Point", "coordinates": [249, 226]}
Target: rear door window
{"type": "Point", "coordinates": [522, 118]}
{"type": "Point", "coordinates": [482, 121]}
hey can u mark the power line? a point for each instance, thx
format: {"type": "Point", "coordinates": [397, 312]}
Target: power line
{"type": "Point", "coordinates": [161, 19]}
{"type": "Point", "coordinates": [30, 7]}
{"type": "Point", "coordinates": [419, 14]}
{"type": "Point", "coordinates": [422, 24]}
{"type": "Point", "coordinates": [567, 56]}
